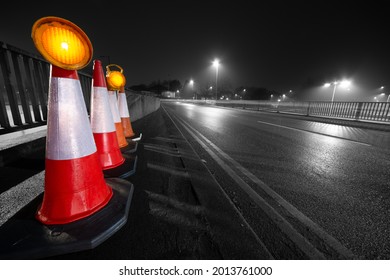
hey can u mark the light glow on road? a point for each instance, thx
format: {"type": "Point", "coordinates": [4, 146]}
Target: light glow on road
{"type": "Point", "coordinates": [308, 131]}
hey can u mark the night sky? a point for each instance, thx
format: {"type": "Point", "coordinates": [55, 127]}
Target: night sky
{"type": "Point", "coordinates": [279, 46]}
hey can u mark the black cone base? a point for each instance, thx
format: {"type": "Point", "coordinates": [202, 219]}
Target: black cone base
{"type": "Point", "coordinates": [24, 237]}
{"type": "Point", "coordinates": [126, 169]}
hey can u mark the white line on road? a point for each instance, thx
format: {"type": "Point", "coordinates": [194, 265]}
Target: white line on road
{"type": "Point", "coordinates": [308, 131]}
{"type": "Point", "coordinates": [279, 220]}
{"type": "Point", "coordinates": [260, 242]}
{"type": "Point", "coordinates": [286, 226]}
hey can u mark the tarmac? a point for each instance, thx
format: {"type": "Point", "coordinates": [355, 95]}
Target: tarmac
{"type": "Point", "coordinates": [177, 209]}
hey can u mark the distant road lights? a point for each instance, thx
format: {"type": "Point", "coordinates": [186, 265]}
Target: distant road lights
{"type": "Point", "coordinates": [216, 65]}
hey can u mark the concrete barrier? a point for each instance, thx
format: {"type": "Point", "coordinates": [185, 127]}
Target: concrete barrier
{"type": "Point", "coordinates": [141, 105]}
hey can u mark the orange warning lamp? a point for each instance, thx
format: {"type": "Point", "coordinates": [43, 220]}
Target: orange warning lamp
{"type": "Point", "coordinates": [115, 79]}
{"type": "Point", "coordinates": [62, 43]}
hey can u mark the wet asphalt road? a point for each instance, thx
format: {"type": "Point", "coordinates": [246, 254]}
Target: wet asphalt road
{"type": "Point", "coordinates": [218, 183]}
{"type": "Point", "coordinates": [330, 183]}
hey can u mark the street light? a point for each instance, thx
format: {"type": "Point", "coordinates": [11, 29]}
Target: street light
{"type": "Point", "coordinates": [192, 86]}
{"type": "Point", "coordinates": [344, 84]}
{"type": "Point", "coordinates": [388, 98]}
{"type": "Point", "coordinates": [216, 65]}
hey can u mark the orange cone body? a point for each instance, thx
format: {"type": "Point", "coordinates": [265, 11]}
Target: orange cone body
{"type": "Point", "coordinates": [102, 121]}
{"type": "Point", "coordinates": [74, 182]}
{"type": "Point", "coordinates": [124, 113]}
{"type": "Point", "coordinates": [117, 120]}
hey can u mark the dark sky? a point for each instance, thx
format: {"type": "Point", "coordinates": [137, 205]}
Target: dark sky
{"type": "Point", "coordinates": [281, 46]}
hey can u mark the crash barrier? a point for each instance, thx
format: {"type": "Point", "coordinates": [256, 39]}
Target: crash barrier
{"type": "Point", "coordinates": [362, 111]}
{"type": "Point", "coordinates": [24, 82]}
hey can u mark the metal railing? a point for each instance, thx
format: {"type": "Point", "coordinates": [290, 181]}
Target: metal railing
{"type": "Point", "coordinates": [24, 84]}
{"type": "Point", "coordinates": [368, 111]}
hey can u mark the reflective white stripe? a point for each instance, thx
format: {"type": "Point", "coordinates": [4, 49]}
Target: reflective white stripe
{"type": "Point", "coordinates": [122, 104]}
{"type": "Point", "coordinates": [101, 116]}
{"type": "Point", "coordinates": [69, 133]}
{"type": "Point", "coordinates": [114, 106]}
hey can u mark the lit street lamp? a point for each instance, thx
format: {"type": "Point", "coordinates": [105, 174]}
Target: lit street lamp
{"type": "Point", "coordinates": [344, 84]}
{"type": "Point", "coordinates": [216, 65]}
{"type": "Point", "coordinates": [192, 86]}
{"type": "Point", "coordinates": [388, 98]}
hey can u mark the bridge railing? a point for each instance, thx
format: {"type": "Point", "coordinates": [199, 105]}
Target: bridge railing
{"type": "Point", "coordinates": [369, 111]}
{"type": "Point", "coordinates": [24, 83]}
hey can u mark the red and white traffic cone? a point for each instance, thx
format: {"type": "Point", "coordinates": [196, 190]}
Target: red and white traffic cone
{"type": "Point", "coordinates": [117, 119]}
{"type": "Point", "coordinates": [124, 113]}
{"type": "Point", "coordinates": [102, 121]}
{"type": "Point", "coordinates": [74, 182]}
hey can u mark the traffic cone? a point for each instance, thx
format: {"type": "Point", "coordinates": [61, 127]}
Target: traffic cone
{"type": "Point", "coordinates": [117, 119]}
{"type": "Point", "coordinates": [124, 113]}
{"type": "Point", "coordinates": [102, 121]}
{"type": "Point", "coordinates": [74, 183]}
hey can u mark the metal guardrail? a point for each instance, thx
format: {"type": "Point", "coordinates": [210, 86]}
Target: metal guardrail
{"type": "Point", "coordinates": [24, 84]}
{"type": "Point", "coordinates": [368, 111]}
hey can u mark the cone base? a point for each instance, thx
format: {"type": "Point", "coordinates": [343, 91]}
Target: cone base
{"type": "Point", "coordinates": [125, 170]}
{"type": "Point", "coordinates": [23, 237]}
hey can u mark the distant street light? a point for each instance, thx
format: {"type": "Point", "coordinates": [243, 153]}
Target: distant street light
{"type": "Point", "coordinates": [388, 98]}
{"type": "Point", "coordinates": [384, 94]}
{"type": "Point", "coordinates": [216, 65]}
{"type": "Point", "coordinates": [344, 84]}
{"type": "Point", "coordinates": [192, 86]}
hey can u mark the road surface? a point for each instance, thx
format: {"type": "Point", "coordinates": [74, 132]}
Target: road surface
{"type": "Point", "coordinates": [305, 189]}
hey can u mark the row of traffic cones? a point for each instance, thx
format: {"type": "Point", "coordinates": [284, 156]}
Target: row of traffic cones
{"type": "Point", "coordinates": [74, 153]}
{"type": "Point", "coordinates": [86, 198]}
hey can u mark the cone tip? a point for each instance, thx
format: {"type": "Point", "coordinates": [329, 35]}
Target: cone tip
{"type": "Point", "coordinates": [99, 80]}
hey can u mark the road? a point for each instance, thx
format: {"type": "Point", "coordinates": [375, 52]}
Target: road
{"type": "Point", "coordinates": [305, 189]}
{"type": "Point", "coordinates": [219, 183]}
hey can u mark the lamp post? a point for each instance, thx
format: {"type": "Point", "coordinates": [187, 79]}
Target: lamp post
{"type": "Point", "coordinates": [388, 98]}
{"type": "Point", "coordinates": [344, 84]}
{"type": "Point", "coordinates": [216, 65]}
{"type": "Point", "coordinates": [192, 86]}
